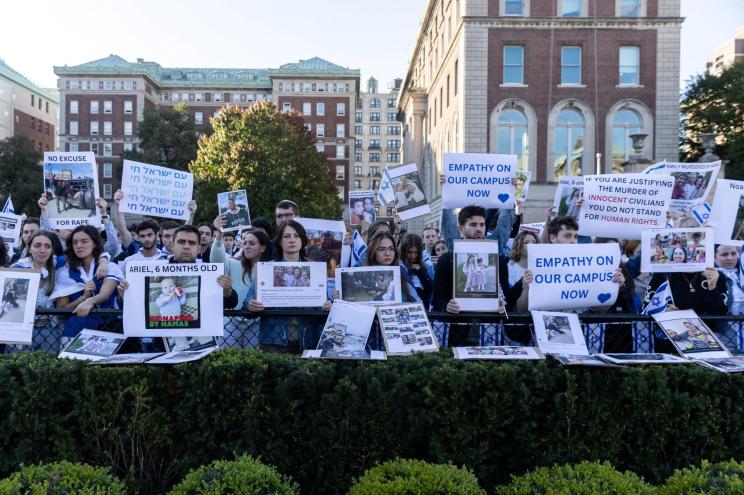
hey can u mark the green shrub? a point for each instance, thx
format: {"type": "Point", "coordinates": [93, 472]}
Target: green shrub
{"type": "Point", "coordinates": [61, 478]}
{"type": "Point", "coordinates": [723, 478]}
{"type": "Point", "coordinates": [244, 475]}
{"type": "Point", "coordinates": [403, 477]}
{"type": "Point", "coordinates": [586, 478]}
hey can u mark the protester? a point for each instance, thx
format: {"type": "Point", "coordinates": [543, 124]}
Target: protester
{"type": "Point", "coordinates": [516, 262]}
{"type": "Point", "coordinates": [29, 227]}
{"type": "Point", "coordinates": [285, 211]}
{"type": "Point", "coordinates": [228, 239]}
{"type": "Point", "coordinates": [167, 229]}
{"type": "Point", "coordinates": [728, 261]}
{"type": "Point", "coordinates": [440, 247]}
{"type": "Point", "coordinates": [206, 236]}
{"type": "Point", "coordinates": [414, 272]}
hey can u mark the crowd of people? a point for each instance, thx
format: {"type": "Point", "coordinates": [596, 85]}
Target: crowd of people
{"type": "Point", "coordinates": [82, 269]}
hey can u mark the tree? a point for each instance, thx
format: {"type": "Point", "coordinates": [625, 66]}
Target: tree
{"type": "Point", "coordinates": [269, 154]}
{"type": "Point", "coordinates": [713, 103]}
{"type": "Point", "coordinates": [168, 137]}
{"type": "Point", "coordinates": [20, 174]}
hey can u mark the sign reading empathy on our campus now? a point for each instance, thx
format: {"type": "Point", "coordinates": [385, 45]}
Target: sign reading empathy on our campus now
{"type": "Point", "coordinates": [572, 276]}
{"type": "Point", "coordinates": [155, 191]}
{"type": "Point", "coordinates": [479, 179]}
{"type": "Point", "coordinates": [622, 205]}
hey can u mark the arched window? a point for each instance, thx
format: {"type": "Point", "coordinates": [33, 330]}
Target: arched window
{"type": "Point", "coordinates": [568, 153]}
{"type": "Point", "coordinates": [513, 127]}
{"type": "Point", "coordinates": [625, 123]}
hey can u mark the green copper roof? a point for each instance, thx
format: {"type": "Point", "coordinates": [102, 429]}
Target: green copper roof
{"type": "Point", "coordinates": [203, 77]}
{"type": "Point", "coordinates": [8, 72]}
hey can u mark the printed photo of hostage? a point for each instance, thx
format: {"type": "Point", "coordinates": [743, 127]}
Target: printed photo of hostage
{"type": "Point", "coordinates": [558, 329]}
{"type": "Point", "coordinates": [291, 276]}
{"type": "Point", "coordinates": [738, 233]}
{"type": "Point", "coordinates": [70, 189]}
{"type": "Point", "coordinates": [362, 207]}
{"type": "Point", "coordinates": [15, 293]}
{"type": "Point", "coordinates": [690, 186]}
{"type": "Point", "coordinates": [676, 250]}
{"type": "Point", "coordinates": [691, 335]}
{"type": "Point", "coordinates": [233, 207]}
{"type": "Point", "coordinates": [172, 302]}
{"type": "Point", "coordinates": [476, 275]}
{"type": "Point", "coordinates": [408, 191]}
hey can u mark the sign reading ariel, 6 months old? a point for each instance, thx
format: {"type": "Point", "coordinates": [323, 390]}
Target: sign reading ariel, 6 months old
{"type": "Point", "coordinates": [572, 276]}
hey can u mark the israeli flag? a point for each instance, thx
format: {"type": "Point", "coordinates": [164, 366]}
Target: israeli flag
{"type": "Point", "coordinates": [386, 193]}
{"type": "Point", "coordinates": [8, 208]}
{"type": "Point", "coordinates": [358, 249]}
{"type": "Point", "coordinates": [658, 302]}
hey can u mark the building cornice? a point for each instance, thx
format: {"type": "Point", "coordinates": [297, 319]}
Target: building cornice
{"type": "Point", "coordinates": [574, 22]}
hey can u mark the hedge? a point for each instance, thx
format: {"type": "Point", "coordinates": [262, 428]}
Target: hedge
{"type": "Point", "coordinates": [61, 478]}
{"type": "Point", "coordinates": [324, 423]}
{"type": "Point", "coordinates": [723, 478]}
{"type": "Point", "coordinates": [404, 477]}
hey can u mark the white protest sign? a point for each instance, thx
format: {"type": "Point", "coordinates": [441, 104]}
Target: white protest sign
{"type": "Point", "coordinates": [71, 189]}
{"type": "Point", "coordinates": [692, 181]}
{"type": "Point", "coordinates": [534, 228]}
{"type": "Point", "coordinates": [572, 276]}
{"type": "Point", "coordinates": [567, 196]}
{"type": "Point", "coordinates": [173, 299]}
{"type": "Point", "coordinates": [478, 179]}
{"type": "Point", "coordinates": [727, 214]}
{"type": "Point", "coordinates": [20, 289]}
{"type": "Point", "coordinates": [676, 250]}
{"type": "Point", "coordinates": [622, 205]}
{"type": "Point", "coordinates": [559, 333]}
{"type": "Point", "coordinates": [155, 191]}
{"type": "Point", "coordinates": [10, 228]}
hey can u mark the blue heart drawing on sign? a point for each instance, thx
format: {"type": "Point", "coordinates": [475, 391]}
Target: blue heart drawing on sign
{"type": "Point", "coordinates": [604, 297]}
{"type": "Point", "coordinates": [503, 197]}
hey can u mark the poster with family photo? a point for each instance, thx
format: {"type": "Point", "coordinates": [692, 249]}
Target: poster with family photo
{"type": "Point", "coordinates": [291, 284]}
{"type": "Point", "coordinates": [498, 353]}
{"type": "Point", "coordinates": [676, 250]}
{"type": "Point", "coordinates": [641, 358]}
{"type": "Point", "coordinates": [734, 364]}
{"type": "Point", "coordinates": [692, 182]}
{"type": "Point", "coordinates": [171, 299]}
{"type": "Point", "coordinates": [370, 285]}
{"type": "Point", "coordinates": [347, 327]}
{"type": "Point", "coordinates": [233, 207]}
{"type": "Point", "coordinates": [567, 195]}
{"type": "Point", "coordinates": [71, 189]}
{"type": "Point", "coordinates": [559, 333]}
{"type": "Point", "coordinates": [18, 306]}
{"type": "Point", "coordinates": [409, 198]}
{"type": "Point", "coordinates": [476, 275]}
{"type": "Point", "coordinates": [324, 240]}
{"type": "Point", "coordinates": [10, 229]}
{"type": "Point", "coordinates": [522, 185]}
{"type": "Point", "coordinates": [362, 207]}
{"type": "Point", "coordinates": [406, 329]}
{"type": "Point", "coordinates": [92, 345]}
{"type": "Point", "coordinates": [356, 355]}
{"type": "Point", "coordinates": [689, 335]}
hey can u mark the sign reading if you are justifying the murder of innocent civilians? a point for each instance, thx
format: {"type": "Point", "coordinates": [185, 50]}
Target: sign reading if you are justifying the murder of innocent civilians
{"type": "Point", "coordinates": [622, 205]}
{"type": "Point", "coordinates": [479, 179]}
{"type": "Point", "coordinates": [572, 276]}
{"type": "Point", "coordinates": [155, 191]}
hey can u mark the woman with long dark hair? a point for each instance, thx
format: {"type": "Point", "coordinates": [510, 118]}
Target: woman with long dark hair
{"type": "Point", "coordinates": [413, 271]}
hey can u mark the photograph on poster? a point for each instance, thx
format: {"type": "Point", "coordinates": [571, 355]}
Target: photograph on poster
{"type": "Point", "coordinates": [10, 229]}
{"type": "Point", "coordinates": [325, 238]}
{"type": "Point", "coordinates": [476, 277]}
{"type": "Point", "coordinates": [91, 345]}
{"type": "Point", "coordinates": [362, 207]}
{"type": "Point", "coordinates": [579, 360]}
{"type": "Point", "coordinates": [559, 333]}
{"type": "Point", "coordinates": [347, 327]}
{"type": "Point", "coordinates": [501, 352]}
{"type": "Point", "coordinates": [71, 189]}
{"type": "Point", "coordinates": [676, 250]}
{"type": "Point", "coordinates": [406, 329]}
{"type": "Point", "coordinates": [727, 212]}
{"type": "Point", "coordinates": [233, 207]}
{"type": "Point", "coordinates": [407, 191]}
{"type": "Point", "coordinates": [15, 295]}
{"type": "Point", "coordinates": [640, 358]}
{"type": "Point", "coordinates": [737, 233]}
{"type": "Point", "coordinates": [689, 335]}
{"type": "Point", "coordinates": [20, 289]}
{"type": "Point", "coordinates": [522, 185]}
{"type": "Point", "coordinates": [291, 284]}
{"type": "Point", "coordinates": [373, 285]}
{"type": "Point", "coordinates": [362, 354]}
{"type": "Point", "coordinates": [291, 276]}
{"type": "Point", "coordinates": [172, 302]}
{"type": "Point", "coordinates": [691, 186]}
{"type": "Point", "coordinates": [567, 195]}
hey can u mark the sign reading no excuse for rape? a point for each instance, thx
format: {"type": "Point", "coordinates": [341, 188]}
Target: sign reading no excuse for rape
{"type": "Point", "coordinates": [622, 205]}
{"type": "Point", "coordinates": [479, 179]}
{"type": "Point", "coordinates": [155, 191]}
{"type": "Point", "coordinates": [572, 276]}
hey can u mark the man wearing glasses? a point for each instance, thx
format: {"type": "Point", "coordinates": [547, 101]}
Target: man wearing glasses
{"type": "Point", "coordinates": [285, 211]}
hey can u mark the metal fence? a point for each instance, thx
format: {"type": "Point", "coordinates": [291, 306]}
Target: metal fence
{"type": "Point", "coordinates": [295, 330]}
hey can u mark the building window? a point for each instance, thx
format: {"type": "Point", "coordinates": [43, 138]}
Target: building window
{"type": "Point", "coordinates": [320, 130]}
{"type": "Point", "coordinates": [94, 128]}
{"type": "Point", "coordinates": [129, 85]}
{"type": "Point", "coordinates": [571, 65]}
{"type": "Point", "coordinates": [128, 147]}
{"type": "Point", "coordinates": [629, 70]}
{"type": "Point", "coordinates": [374, 184]}
{"type": "Point", "coordinates": [107, 191]}
{"type": "Point", "coordinates": [46, 105]}
{"type": "Point", "coordinates": [73, 106]}
{"type": "Point", "coordinates": [374, 157]}
{"type": "Point", "coordinates": [73, 128]}
{"type": "Point", "coordinates": [511, 135]}
{"type": "Point", "coordinates": [358, 143]}
{"type": "Point", "coordinates": [128, 107]}
{"type": "Point", "coordinates": [393, 130]}
{"type": "Point", "coordinates": [340, 172]}
{"type": "Point", "coordinates": [340, 131]}
{"type": "Point", "coordinates": [94, 148]}
{"type": "Point", "coordinates": [568, 143]}
{"type": "Point", "coordinates": [198, 117]}
{"type": "Point", "coordinates": [107, 128]}
{"type": "Point", "coordinates": [571, 8]}
{"type": "Point", "coordinates": [33, 100]}
{"type": "Point", "coordinates": [393, 157]}
{"type": "Point", "coordinates": [94, 107]}
{"type": "Point", "coordinates": [374, 103]}
{"type": "Point", "coordinates": [513, 65]}
{"type": "Point", "coordinates": [357, 170]}
{"type": "Point", "coordinates": [340, 109]}
{"type": "Point", "coordinates": [374, 171]}
{"type": "Point", "coordinates": [320, 148]}
{"type": "Point", "coordinates": [393, 144]}
{"type": "Point", "coordinates": [357, 184]}
{"type": "Point", "coordinates": [625, 123]}
{"type": "Point", "coordinates": [374, 143]}
{"type": "Point", "coordinates": [320, 109]}
{"type": "Point", "coordinates": [374, 116]}
{"type": "Point", "coordinates": [374, 129]}
{"type": "Point", "coordinates": [392, 116]}
{"type": "Point", "coordinates": [286, 107]}
{"type": "Point", "coordinates": [513, 7]}
{"type": "Point", "coordinates": [340, 151]}
{"type": "Point", "coordinates": [358, 129]}
{"type": "Point", "coordinates": [74, 147]}
{"type": "Point", "coordinates": [307, 108]}
{"type": "Point", "coordinates": [127, 128]}
{"type": "Point", "coordinates": [629, 8]}
{"type": "Point", "coordinates": [358, 117]}
{"type": "Point", "coordinates": [108, 170]}
{"type": "Point", "coordinates": [341, 193]}
{"type": "Point", "coordinates": [107, 106]}
{"type": "Point", "coordinates": [391, 102]}
{"type": "Point", "coordinates": [107, 149]}
{"type": "Point", "coordinates": [358, 156]}
{"type": "Point", "coordinates": [217, 97]}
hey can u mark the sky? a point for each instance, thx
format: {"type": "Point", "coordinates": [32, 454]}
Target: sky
{"type": "Point", "coordinates": [376, 36]}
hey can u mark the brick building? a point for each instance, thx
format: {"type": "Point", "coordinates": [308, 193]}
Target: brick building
{"type": "Point", "coordinates": [27, 110]}
{"type": "Point", "coordinates": [102, 101]}
{"type": "Point", "coordinates": [560, 83]}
